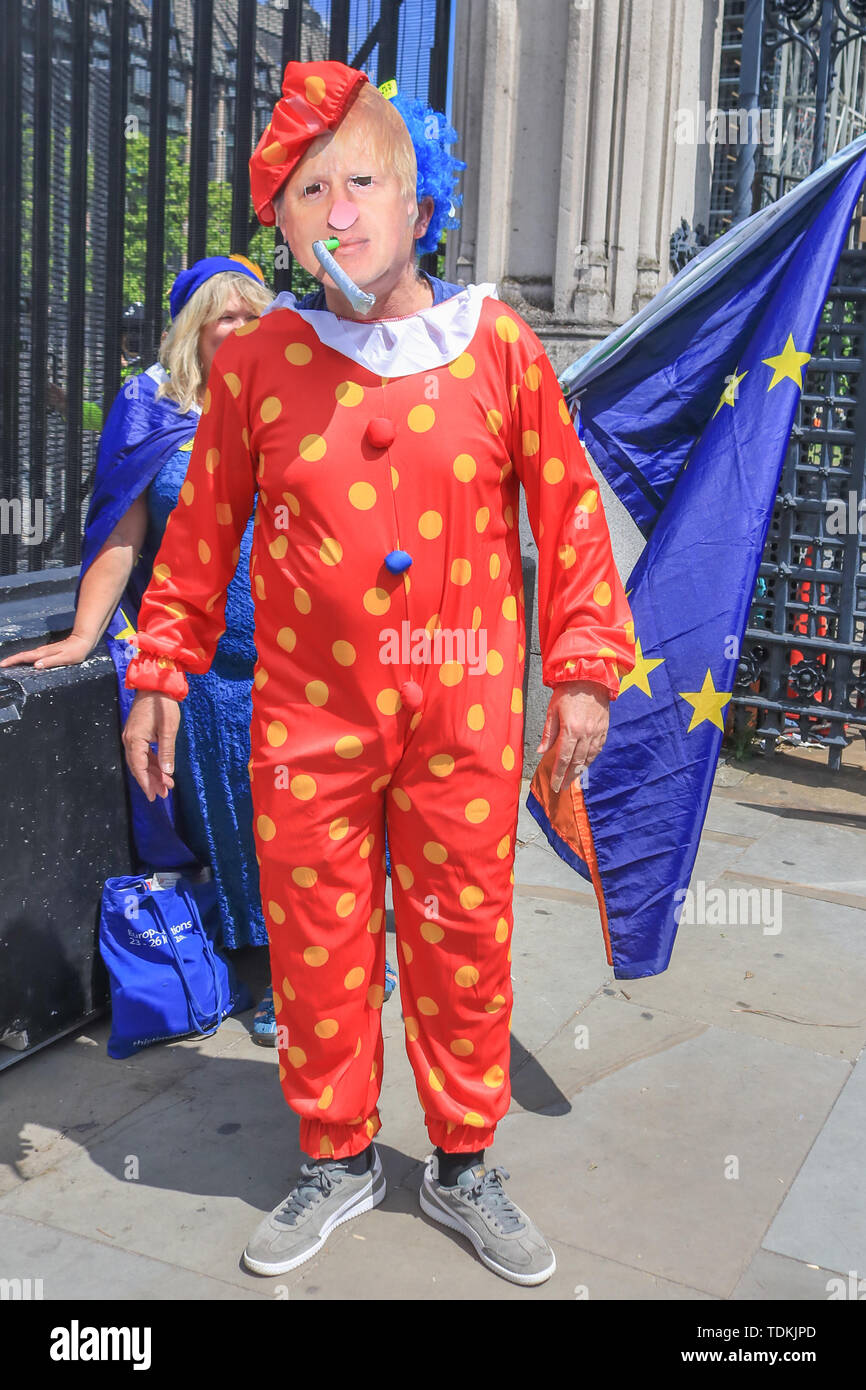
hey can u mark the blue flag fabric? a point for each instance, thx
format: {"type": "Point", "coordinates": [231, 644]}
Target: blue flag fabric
{"type": "Point", "coordinates": [140, 435]}
{"type": "Point", "coordinates": [687, 412]}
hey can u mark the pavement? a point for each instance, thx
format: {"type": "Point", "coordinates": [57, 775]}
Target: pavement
{"type": "Point", "coordinates": [692, 1136]}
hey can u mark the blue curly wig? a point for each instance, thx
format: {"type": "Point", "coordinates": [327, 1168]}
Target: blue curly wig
{"type": "Point", "coordinates": [437, 169]}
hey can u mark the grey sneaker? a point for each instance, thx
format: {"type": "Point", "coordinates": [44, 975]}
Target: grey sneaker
{"type": "Point", "coordinates": [479, 1208]}
{"type": "Point", "coordinates": [324, 1197]}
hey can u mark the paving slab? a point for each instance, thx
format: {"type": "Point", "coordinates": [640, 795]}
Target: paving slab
{"type": "Point", "coordinates": [72, 1267]}
{"type": "Point", "coordinates": [823, 1218]}
{"type": "Point", "coordinates": [395, 1252]}
{"type": "Point", "coordinates": [772, 1278]}
{"type": "Point", "coordinates": [811, 852]}
{"type": "Point", "coordinates": [804, 985]}
{"type": "Point", "coordinates": [636, 1169]}
{"type": "Point", "coordinates": [72, 1091]}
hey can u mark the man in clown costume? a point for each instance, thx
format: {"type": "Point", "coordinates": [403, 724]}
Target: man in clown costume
{"type": "Point", "coordinates": [387, 449]}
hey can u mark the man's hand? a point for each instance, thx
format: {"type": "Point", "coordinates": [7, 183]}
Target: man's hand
{"type": "Point", "coordinates": [577, 721]}
{"type": "Point", "coordinates": [154, 718]}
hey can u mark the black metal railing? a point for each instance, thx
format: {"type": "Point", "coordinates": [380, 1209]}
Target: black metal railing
{"type": "Point", "coordinates": [803, 665]}
{"type": "Point", "coordinates": [126, 128]}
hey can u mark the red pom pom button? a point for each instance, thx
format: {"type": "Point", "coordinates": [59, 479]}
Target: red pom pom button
{"type": "Point", "coordinates": [411, 694]}
{"type": "Point", "coordinates": [380, 432]}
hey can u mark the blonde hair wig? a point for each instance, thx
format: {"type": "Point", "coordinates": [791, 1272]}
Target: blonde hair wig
{"type": "Point", "coordinates": [178, 352]}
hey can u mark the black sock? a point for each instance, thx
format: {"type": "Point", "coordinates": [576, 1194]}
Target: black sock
{"type": "Point", "coordinates": [452, 1165]}
{"type": "Point", "coordinates": [357, 1164]}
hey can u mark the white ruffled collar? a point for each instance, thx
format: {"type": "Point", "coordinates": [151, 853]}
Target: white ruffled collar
{"type": "Point", "coordinates": [399, 347]}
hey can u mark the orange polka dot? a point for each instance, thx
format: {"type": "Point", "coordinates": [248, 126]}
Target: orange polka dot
{"type": "Point", "coordinates": [494, 421]}
{"type": "Point", "coordinates": [316, 955]}
{"type": "Point", "coordinates": [315, 89]}
{"type": "Point", "coordinates": [464, 468]}
{"type": "Point", "coordinates": [343, 652]}
{"type": "Point", "coordinates": [602, 594]}
{"type": "Point", "coordinates": [349, 393]}
{"type": "Point", "coordinates": [270, 408]}
{"type": "Point", "coordinates": [466, 976]}
{"type": "Point", "coordinates": [462, 366]}
{"type": "Point", "coordinates": [362, 496]}
{"type": "Point", "coordinates": [421, 418]}
{"type": "Point", "coordinates": [430, 525]}
{"type": "Point", "coordinates": [354, 977]}
{"type": "Point", "coordinates": [377, 601]}
{"type": "Point", "coordinates": [553, 471]}
{"type": "Point", "coordinates": [299, 354]}
{"type": "Point", "coordinates": [462, 1047]}
{"type": "Point", "coordinates": [432, 932]}
{"type": "Point", "coordinates": [330, 551]}
{"type": "Point", "coordinates": [312, 447]}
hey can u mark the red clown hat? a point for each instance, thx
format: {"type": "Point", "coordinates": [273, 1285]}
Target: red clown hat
{"type": "Point", "coordinates": [316, 97]}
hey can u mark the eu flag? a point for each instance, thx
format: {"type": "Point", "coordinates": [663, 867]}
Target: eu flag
{"type": "Point", "coordinates": [687, 411]}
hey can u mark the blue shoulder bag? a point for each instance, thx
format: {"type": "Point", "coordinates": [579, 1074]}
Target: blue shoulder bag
{"type": "Point", "coordinates": [167, 977]}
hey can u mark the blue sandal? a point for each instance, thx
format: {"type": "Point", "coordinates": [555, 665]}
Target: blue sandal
{"type": "Point", "coordinates": [390, 980]}
{"type": "Point", "coordinates": [264, 1029]}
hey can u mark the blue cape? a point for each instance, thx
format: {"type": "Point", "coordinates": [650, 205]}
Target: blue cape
{"type": "Point", "coordinates": [140, 435]}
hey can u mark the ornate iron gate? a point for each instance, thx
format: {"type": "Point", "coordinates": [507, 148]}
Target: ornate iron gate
{"type": "Point", "coordinates": [803, 664]}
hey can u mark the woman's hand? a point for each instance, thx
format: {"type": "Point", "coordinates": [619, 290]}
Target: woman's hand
{"type": "Point", "coordinates": [71, 651]}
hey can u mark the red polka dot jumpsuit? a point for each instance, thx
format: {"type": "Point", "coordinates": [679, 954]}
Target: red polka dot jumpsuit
{"type": "Point", "coordinates": [389, 627]}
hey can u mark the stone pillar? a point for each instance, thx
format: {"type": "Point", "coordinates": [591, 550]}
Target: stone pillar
{"type": "Point", "coordinates": [567, 115]}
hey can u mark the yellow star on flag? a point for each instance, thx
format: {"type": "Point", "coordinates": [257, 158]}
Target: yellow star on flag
{"type": "Point", "coordinates": [126, 632]}
{"type": "Point", "coordinates": [789, 364]}
{"type": "Point", "coordinates": [729, 395]}
{"type": "Point", "coordinates": [707, 703]}
{"type": "Point", "coordinates": [639, 676]}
